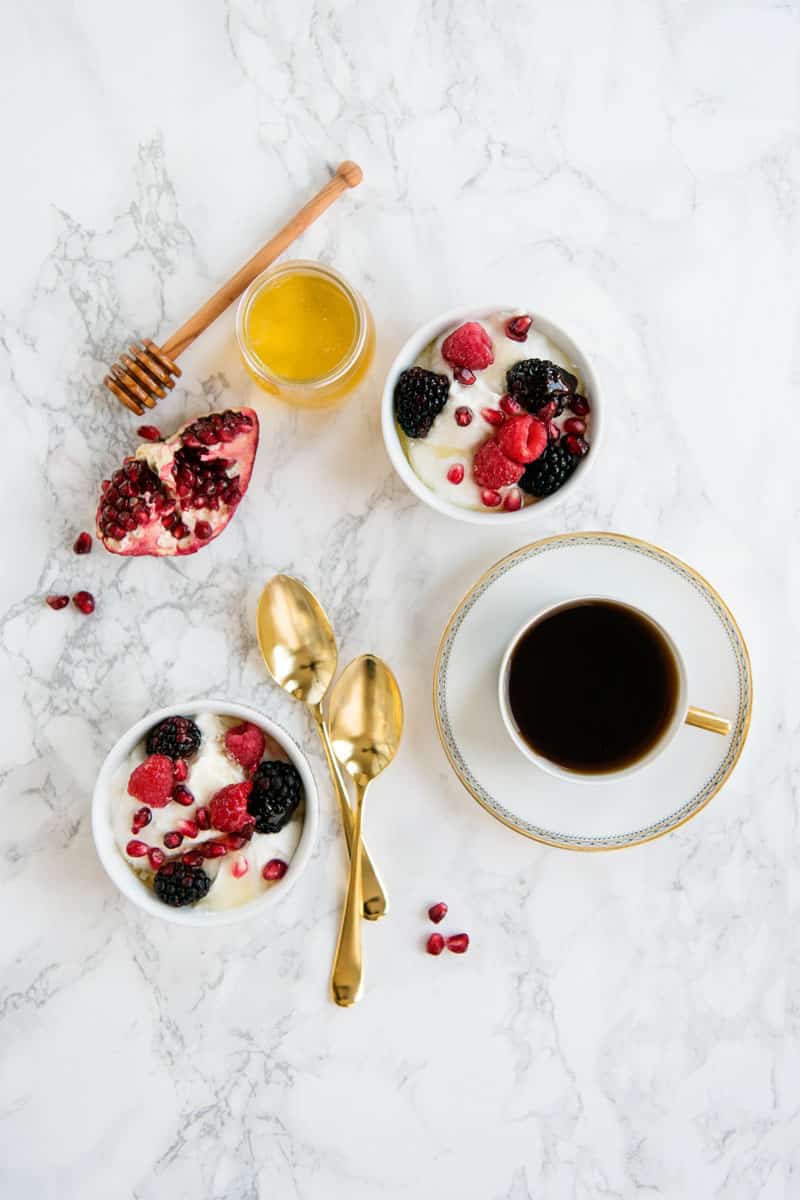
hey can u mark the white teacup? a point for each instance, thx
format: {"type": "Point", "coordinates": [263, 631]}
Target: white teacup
{"type": "Point", "coordinates": [683, 713]}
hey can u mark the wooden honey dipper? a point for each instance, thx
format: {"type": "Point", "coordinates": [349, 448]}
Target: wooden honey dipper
{"type": "Point", "coordinates": [144, 376]}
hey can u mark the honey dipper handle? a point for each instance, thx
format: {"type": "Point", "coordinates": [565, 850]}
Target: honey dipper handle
{"type": "Point", "coordinates": [348, 175]}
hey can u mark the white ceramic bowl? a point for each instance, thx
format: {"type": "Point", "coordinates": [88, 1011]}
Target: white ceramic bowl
{"type": "Point", "coordinates": [118, 869]}
{"type": "Point", "coordinates": [406, 358]}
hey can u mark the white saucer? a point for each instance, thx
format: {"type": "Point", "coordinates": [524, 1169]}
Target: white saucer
{"type": "Point", "coordinates": [623, 812]}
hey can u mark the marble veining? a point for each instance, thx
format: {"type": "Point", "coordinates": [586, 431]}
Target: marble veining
{"type": "Point", "coordinates": [622, 1024]}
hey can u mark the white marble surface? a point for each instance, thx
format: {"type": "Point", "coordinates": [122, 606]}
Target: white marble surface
{"type": "Point", "coordinates": [620, 1025]}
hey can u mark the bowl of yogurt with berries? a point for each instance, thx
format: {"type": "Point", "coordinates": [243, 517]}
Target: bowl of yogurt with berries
{"type": "Point", "coordinates": [205, 813]}
{"type": "Point", "coordinates": [491, 414]}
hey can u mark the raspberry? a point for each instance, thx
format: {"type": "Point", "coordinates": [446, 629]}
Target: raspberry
{"type": "Point", "coordinates": [151, 781]}
{"type": "Point", "coordinates": [469, 346]}
{"type": "Point", "coordinates": [229, 807]}
{"type": "Point", "coordinates": [522, 438]}
{"type": "Point", "coordinates": [245, 743]}
{"type": "Point", "coordinates": [491, 468]}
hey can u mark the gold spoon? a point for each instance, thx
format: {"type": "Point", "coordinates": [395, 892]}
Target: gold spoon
{"type": "Point", "coordinates": [366, 719]}
{"type": "Point", "coordinates": [299, 648]}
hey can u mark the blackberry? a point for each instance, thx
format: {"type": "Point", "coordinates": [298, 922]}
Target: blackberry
{"type": "Point", "coordinates": [536, 381]}
{"type": "Point", "coordinates": [177, 737]}
{"type": "Point", "coordinates": [546, 475]}
{"type": "Point", "coordinates": [277, 791]}
{"type": "Point", "coordinates": [419, 397]}
{"type": "Point", "coordinates": [177, 883]}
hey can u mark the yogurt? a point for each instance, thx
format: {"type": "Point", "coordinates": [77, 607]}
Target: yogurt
{"type": "Point", "coordinates": [449, 444]}
{"type": "Point", "coordinates": [236, 876]}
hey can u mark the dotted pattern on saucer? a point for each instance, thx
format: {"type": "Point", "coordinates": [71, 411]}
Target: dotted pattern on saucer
{"type": "Point", "coordinates": [712, 784]}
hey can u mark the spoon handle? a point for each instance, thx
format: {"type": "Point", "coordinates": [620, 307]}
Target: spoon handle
{"type": "Point", "coordinates": [375, 904]}
{"type": "Point", "coordinates": [347, 974]}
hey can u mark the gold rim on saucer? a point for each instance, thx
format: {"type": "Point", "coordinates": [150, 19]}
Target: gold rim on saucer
{"type": "Point", "coordinates": [740, 724]}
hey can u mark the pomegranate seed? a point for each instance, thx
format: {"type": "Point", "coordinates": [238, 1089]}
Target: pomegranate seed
{"type": "Point", "coordinates": [458, 943]}
{"type": "Point", "coordinates": [490, 498]}
{"type": "Point", "coordinates": [214, 849]}
{"type": "Point", "coordinates": [464, 376]}
{"type": "Point", "coordinates": [509, 405]}
{"type": "Point", "coordinates": [463, 416]}
{"type": "Point", "coordinates": [203, 530]}
{"type": "Point", "coordinates": [136, 849]}
{"type": "Point", "coordinates": [203, 818]}
{"type": "Point", "coordinates": [180, 770]}
{"type": "Point", "coordinates": [547, 411]}
{"type": "Point", "coordinates": [84, 601]}
{"type": "Point", "coordinates": [192, 858]}
{"type": "Point", "coordinates": [149, 432]}
{"type": "Point", "coordinates": [435, 944]}
{"type": "Point", "coordinates": [575, 425]}
{"type": "Point", "coordinates": [437, 912]}
{"type": "Point", "coordinates": [235, 841]}
{"type": "Point", "coordinates": [157, 857]}
{"type": "Point", "coordinates": [517, 328]}
{"type": "Point", "coordinates": [579, 405]}
{"type": "Point", "coordinates": [577, 446]}
{"type": "Point", "coordinates": [240, 867]}
{"type": "Point", "coordinates": [142, 817]}
{"type": "Point", "coordinates": [173, 839]}
{"type": "Point", "coordinates": [182, 795]}
{"type": "Point", "coordinates": [57, 602]}
{"type": "Point", "coordinates": [83, 543]}
{"type": "Point", "coordinates": [513, 500]}
{"type": "Point", "coordinates": [247, 829]}
{"type": "Point", "coordinates": [187, 828]}
{"type": "Point", "coordinates": [492, 415]}
{"type": "Point", "coordinates": [456, 473]}
{"type": "Point", "coordinates": [553, 432]}
{"type": "Point", "coordinates": [276, 868]}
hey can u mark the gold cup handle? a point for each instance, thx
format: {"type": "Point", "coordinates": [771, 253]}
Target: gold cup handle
{"type": "Point", "coordinates": [701, 718]}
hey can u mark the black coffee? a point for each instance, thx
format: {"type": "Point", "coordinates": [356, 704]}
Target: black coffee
{"type": "Point", "coordinates": [592, 687]}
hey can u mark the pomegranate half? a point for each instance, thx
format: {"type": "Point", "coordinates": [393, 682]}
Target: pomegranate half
{"type": "Point", "coordinates": [173, 497]}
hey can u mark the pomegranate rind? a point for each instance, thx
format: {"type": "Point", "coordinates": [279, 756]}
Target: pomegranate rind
{"type": "Point", "coordinates": [151, 473]}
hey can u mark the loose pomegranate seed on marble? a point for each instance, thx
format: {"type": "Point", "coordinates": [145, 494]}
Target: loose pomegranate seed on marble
{"type": "Point", "coordinates": [173, 839]}
{"type": "Point", "coordinates": [83, 543]}
{"type": "Point", "coordinates": [57, 602]}
{"type": "Point", "coordinates": [458, 943]}
{"type": "Point", "coordinates": [276, 868]}
{"type": "Point", "coordinates": [517, 328]}
{"type": "Point", "coordinates": [437, 912]}
{"type": "Point", "coordinates": [150, 433]}
{"type": "Point", "coordinates": [136, 849]}
{"type": "Point", "coordinates": [84, 601]}
{"type": "Point", "coordinates": [157, 857]}
{"type": "Point", "coordinates": [463, 416]}
{"type": "Point", "coordinates": [435, 944]}
{"type": "Point", "coordinates": [456, 473]}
